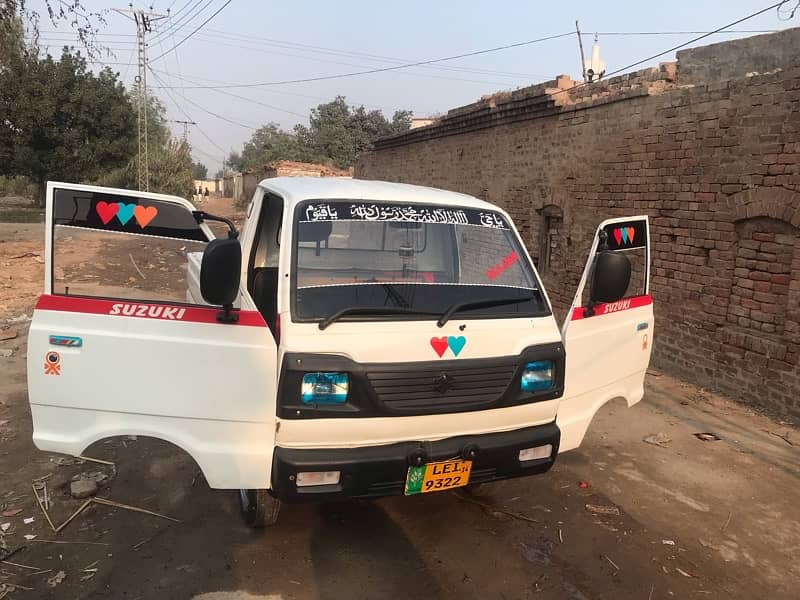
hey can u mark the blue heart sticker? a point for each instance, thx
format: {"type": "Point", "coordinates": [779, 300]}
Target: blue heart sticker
{"type": "Point", "coordinates": [125, 212]}
{"type": "Point", "coordinates": [456, 343]}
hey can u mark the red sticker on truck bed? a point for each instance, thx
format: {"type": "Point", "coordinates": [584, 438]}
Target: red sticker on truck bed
{"type": "Point", "coordinates": [167, 312]}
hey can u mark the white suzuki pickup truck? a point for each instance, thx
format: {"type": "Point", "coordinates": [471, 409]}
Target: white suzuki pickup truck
{"type": "Point", "coordinates": [357, 339]}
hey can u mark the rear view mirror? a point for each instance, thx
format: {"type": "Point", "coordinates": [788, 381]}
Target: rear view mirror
{"type": "Point", "coordinates": [612, 274]}
{"type": "Point", "coordinates": [220, 272]}
{"type": "Point", "coordinates": [314, 231]}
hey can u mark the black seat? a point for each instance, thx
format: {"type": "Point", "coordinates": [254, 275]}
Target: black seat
{"type": "Point", "coordinates": [265, 294]}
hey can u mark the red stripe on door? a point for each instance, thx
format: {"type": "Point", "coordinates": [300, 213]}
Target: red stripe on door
{"type": "Point", "coordinates": [612, 307]}
{"type": "Point", "coordinates": [144, 310]}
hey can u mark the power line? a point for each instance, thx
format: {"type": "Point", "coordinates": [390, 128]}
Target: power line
{"type": "Point", "coordinates": [674, 48]}
{"type": "Point", "coordinates": [391, 68]}
{"type": "Point", "coordinates": [196, 29]}
{"type": "Point", "coordinates": [322, 60]}
{"type": "Point", "coordinates": [180, 109]}
{"type": "Point", "coordinates": [184, 21]}
{"type": "Point", "coordinates": [635, 33]}
{"type": "Point", "coordinates": [340, 52]}
{"type": "Point", "coordinates": [195, 79]}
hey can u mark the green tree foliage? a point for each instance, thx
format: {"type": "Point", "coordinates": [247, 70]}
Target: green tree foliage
{"type": "Point", "coordinates": [170, 171]}
{"type": "Point", "coordinates": [157, 131]}
{"type": "Point", "coordinates": [170, 163]}
{"type": "Point", "coordinates": [337, 133]}
{"type": "Point", "coordinates": [267, 144]}
{"type": "Point", "coordinates": [84, 22]}
{"type": "Point", "coordinates": [61, 121]}
{"type": "Point", "coordinates": [199, 170]}
{"type": "Point", "coordinates": [234, 161]}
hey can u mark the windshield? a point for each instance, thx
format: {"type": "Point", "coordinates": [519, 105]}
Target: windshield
{"type": "Point", "coordinates": [357, 257]}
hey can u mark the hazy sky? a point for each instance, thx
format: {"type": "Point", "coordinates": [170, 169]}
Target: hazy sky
{"type": "Point", "coordinates": [265, 41]}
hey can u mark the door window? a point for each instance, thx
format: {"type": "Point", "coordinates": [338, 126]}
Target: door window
{"type": "Point", "coordinates": [122, 246]}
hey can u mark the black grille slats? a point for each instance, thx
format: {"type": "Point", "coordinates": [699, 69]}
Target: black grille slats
{"type": "Point", "coordinates": [432, 389]}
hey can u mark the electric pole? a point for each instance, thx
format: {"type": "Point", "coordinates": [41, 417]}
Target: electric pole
{"type": "Point", "coordinates": [580, 45]}
{"type": "Point", "coordinates": [143, 20]}
{"type": "Point", "coordinates": [185, 128]}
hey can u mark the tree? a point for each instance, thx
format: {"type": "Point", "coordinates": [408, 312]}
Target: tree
{"type": "Point", "coordinates": [337, 134]}
{"type": "Point", "coordinates": [267, 144]}
{"type": "Point", "coordinates": [234, 161]}
{"type": "Point", "coordinates": [84, 22]}
{"type": "Point", "coordinates": [61, 121]}
{"type": "Point", "coordinates": [157, 130]}
{"type": "Point", "coordinates": [199, 170]}
{"type": "Point", "coordinates": [170, 171]}
{"type": "Point", "coordinates": [169, 160]}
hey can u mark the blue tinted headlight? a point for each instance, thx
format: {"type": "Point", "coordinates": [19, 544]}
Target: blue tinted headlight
{"type": "Point", "coordinates": [537, 376]}
{"type": "Point", "coordinates": [324, 388]}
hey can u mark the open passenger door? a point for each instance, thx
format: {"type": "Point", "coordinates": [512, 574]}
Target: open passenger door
{"type": "Point", "coordinates": [115, 348]}
{"type": "Point", "coordinates": [607, 344]}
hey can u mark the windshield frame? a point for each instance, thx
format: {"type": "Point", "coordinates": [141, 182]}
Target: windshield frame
{"type": "Point", "coordinates": [297, 217]}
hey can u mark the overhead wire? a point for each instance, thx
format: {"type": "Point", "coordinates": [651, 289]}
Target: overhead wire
{"type": "Point", "coordinates": [188, 118]}
{"type": "Point", "coordinates": [195, 79]}
{"type": "Point", "coordinates": [393, 67]}
{"type": "Point", "coordinates": [673, 48]}
{"type": "Point", "coordinates": [195, 30]}
{"type": "Point", "coordinates": [249, 127]}
{"type": "Point", "coordinates": [335, 62]}
{"type": "Point", "coordinates": [174, 22]}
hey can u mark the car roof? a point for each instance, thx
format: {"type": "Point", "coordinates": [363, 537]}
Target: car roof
{"type": "Point", "coordinates": [298, 189]}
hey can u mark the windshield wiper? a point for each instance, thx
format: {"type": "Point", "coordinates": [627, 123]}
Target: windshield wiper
{"type": "Point", "coordinates": [370, 310]}
{"type": "Point", "coordinates": [457, 306]}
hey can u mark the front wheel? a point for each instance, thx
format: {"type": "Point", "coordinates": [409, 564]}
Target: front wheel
{"type": "Point", "coordinates": [259, 508]}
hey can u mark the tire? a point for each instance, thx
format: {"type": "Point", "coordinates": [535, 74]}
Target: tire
{"type": "Point", "coordinates": [259, 508]}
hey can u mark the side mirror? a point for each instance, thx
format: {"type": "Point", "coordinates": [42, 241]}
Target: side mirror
{"type": "Point", "coordinates": [612, 274]}
{"type": "Point", "coordinates": [220, 272]}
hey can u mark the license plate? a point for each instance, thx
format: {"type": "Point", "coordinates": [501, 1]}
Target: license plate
{"type": "Point", "coordinates": [438, 476]}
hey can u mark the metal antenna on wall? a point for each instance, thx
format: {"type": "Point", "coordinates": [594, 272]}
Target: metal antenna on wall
{"type": "Point", "coordinates": [143, 20]}
{"type": "Point", "coordinates": [580, 45]}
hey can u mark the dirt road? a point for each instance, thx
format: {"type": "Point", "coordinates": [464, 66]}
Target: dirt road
{"type": "Point", "coordinates": [685, 519]}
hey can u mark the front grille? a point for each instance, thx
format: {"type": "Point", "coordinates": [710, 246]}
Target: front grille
{"type": "Point", "coordinates": [441, 388]}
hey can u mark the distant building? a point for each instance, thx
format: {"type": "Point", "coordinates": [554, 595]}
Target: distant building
{"type": "Point", "coordinates": [244, 184]}
{"type": "Point", "coordinates": [290, 168]}
{"type": "Point", "coordinates": [421, 121]}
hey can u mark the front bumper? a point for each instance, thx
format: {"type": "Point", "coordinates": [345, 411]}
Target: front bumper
{"type": "Point", "coordinates": [375, 471]}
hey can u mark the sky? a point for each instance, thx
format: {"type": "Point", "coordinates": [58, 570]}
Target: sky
{"type": "Point", "coordinates": [263, 41]}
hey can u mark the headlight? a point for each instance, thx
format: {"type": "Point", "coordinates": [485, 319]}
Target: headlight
{"type": "Point", "coordinates": [537, 376]}
{"type": "Point", "coordinates": [324, 388]}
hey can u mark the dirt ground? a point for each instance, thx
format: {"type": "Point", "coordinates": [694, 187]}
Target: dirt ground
{"type": "Point", "coordinates": [618, 518]}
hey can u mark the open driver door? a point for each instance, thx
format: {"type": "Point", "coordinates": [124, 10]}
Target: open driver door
{"type": "Point", "coordinates": [608, 333]}
{"type": "Point", "coordinates": [117, 346]}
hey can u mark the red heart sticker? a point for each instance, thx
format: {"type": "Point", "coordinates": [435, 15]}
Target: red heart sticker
{"type": "Point", "coordinates": [106, 210]}
{"type": "Point", "coordinates": [439, 345]}
{"type": "Point", "coordinates": [618, 236]}
{"type": "Point", "coordinates": [144, 214]}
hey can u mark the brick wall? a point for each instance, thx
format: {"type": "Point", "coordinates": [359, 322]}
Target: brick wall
{"type": "Point", "coordinates": [717, 168]}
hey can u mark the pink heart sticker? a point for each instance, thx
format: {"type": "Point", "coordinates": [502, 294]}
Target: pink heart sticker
{"type": "Point", "coordinates": [106, 210]}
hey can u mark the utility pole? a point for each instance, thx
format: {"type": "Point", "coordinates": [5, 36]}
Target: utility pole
{"type": "Point", "coordinates": [185, 128]}
{"type": "Point", "coordinates": [143, 20]}
{"type": "Point", "coordinates": [580, 45]}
